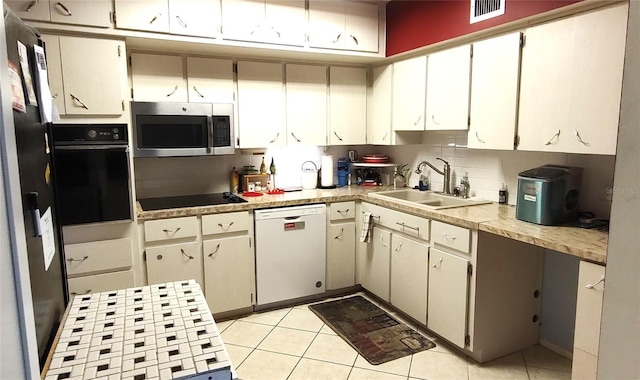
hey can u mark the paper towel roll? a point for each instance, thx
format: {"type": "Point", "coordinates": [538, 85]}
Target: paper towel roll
{"type": "Point", "coordinates": [326, 178]}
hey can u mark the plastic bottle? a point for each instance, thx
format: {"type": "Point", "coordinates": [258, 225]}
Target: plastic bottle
{"type": "Point", "coordinates": [263, 167]}
{"type": "Point", "coordinates": [235, 180]}
{"type": "Point", "coordinates": [502, 195]}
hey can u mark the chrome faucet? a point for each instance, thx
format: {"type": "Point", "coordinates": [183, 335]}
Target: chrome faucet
{"type": "Point", "coordinates": [446, 173]}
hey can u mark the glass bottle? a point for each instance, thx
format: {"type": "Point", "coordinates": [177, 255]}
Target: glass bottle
{"type": "Point", "coordinates": [263, 167]}
{"type": "Point", "coordinates": [272, 167]}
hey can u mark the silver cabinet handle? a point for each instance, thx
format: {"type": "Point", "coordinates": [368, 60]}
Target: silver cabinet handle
{"type": "Point", "coordinates": [382, 241]}
{"type": "Point", "coordinates": [276, 32]}
{"type": "Point", "coordinates": [172, 92]}
{"type": "Point", "coordinates": [197, 92]}
{"type": "Point", "coordinates": [417, 121]}
{"type": "Point", "coordinates": [80, 294]}
{"type": "Point", "coordinates": [557, 135]}
{"type": "Point", "coordinates": [339, 235]}
{"type": "Point", "coordinates": [227, 227]}
{"type": "Point", "coordinates": [580, 138]}
{"type": "Point", "coordinates": [449, 237]}
{"type": "Point", "coordinates": [155, 18]}
{"type": "Point", "coordinates": [337, 38]}
{"type": "Point", "coordinates": [71, 259]}
{"type": "Point", "coordinates": [215, 250]}
{"type": "Point", "coordinates": [479, 139]}
{"type": "Point", "coordinates": [294, 136]}
{"type": "Point", "coordinates": [64, 8]}
{"type": "Point", "coordinates": [171, 232]}
{"type": "Point", "coordinates": [255, 29]}
{"type": "Point", "coordinates": [401, 224]}
{"type": "Point", "coordinates": [28, 9]}
{"type": "Point", "coordinates": [54, 96]}
{"type": "Point", "coordinates": [398, 248]}
{"type": "Point", "coordinates": [185, 254]}
{"type": "Point", "coordinates": [591, 286]}
{"type": "Point", "coordinates": [433, 118]}
{"type": "Point", "coordinates": [275, 138]}
{"type": "Point", "coordinates": [339, 138]}
{"type": "Point", "coordinates": [182, 23]}
{"type": "Point", "coordinates": [75, 98]}
{"type": "Point", "coordinates": [385, 136]}
{"type": "Point", "coordinates": [354, 39]}
{"type": "Point", "coordinates": [437, 263]}
{"type": "Point", "coordinates": [343, 212]}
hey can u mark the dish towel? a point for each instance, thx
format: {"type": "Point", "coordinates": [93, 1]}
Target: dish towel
{"type": "Point", "coordinates": [367, 228]}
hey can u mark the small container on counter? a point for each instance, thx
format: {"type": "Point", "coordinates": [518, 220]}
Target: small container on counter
{"type": "Point", "coordinates": [258, 186]}
{"type": "Point", "coordinates": [251, 186]}
{"type": "Point", "coordinates": [503, 195]}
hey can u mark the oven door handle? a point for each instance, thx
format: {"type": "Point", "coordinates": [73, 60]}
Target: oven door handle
{"type": "Point", "coordinates": [91, 147]}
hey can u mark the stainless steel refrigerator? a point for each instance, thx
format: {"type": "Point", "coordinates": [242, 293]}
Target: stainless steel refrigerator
{"type": "Point", "coordinates": [43, 235]}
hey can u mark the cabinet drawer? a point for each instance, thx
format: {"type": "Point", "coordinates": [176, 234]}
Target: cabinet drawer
{"type": "Point", "coordinates": [451, 236]}
{"type": "Point", "coordinates": [408, 224]}
{"type": "Point", "coordinates": [166, 229]}
{"type": "Point", "coordinates": [97, 256]}
{"type": "Point", "coordinates": [101, 282]}
{"type": "Point", "coordinates": [342, 210]}
{"type": "Point", "coordinates": [589, 307]}
{"type": "Point", "coordinates": [225, 223]}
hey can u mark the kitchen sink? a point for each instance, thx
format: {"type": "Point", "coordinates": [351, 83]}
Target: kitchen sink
{"type": "Point", "coordinates": [428, 199]}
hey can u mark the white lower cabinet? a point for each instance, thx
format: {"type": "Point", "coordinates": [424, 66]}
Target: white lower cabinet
{"type": "Point", "coordinates": [101, 282]}
{"type": "Point", "coordinates": [340, 255]}
{"type": "Point", "coordinates": [409, 276]}
{"type": "Point", "coordinates": [175, 262]}
{"type": "Point", "coordinates": [228, 273]}
{"type": "Point", "coordinates": [375, 265]}
{"type": "Point", "coordinates": [448, 296]}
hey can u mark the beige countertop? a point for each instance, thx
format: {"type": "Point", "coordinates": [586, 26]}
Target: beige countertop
{"type": "Point", "coordinates": [590, 245]}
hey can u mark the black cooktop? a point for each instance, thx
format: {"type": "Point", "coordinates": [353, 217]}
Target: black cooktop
{"type": "Point", "coordinates": [151, 204]}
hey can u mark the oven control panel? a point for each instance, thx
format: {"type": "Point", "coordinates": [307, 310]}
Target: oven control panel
{"type": "Point", "coordinates": [89, 134]}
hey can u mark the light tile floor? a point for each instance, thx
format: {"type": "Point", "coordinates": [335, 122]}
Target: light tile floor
{"type": "Point", "coordinates": [293, 343]}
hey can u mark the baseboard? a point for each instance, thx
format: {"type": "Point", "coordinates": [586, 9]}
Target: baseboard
{"type": "Point", "coordinates": [557, 349]}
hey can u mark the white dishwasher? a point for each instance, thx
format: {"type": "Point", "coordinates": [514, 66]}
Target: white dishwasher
{"type": "Point", "coordinates": [290, 252]}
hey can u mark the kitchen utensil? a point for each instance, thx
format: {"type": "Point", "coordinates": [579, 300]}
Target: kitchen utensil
{"type": "Point", "coordinates": [309, 175]}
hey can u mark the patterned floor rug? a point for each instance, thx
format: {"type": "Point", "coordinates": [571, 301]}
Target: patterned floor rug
{"type": "Point", "coordinates": [376, 335]}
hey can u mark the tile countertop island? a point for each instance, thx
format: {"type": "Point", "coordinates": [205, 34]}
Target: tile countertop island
{"type": "Point", "coordinates": [586, 244]}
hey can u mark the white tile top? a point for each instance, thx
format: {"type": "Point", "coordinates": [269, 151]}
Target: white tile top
{"type": "Point", "coordinates": [162, 331]}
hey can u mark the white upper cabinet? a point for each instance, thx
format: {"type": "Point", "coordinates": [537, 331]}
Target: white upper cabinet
{"type": "Point", "coordinates": [75, 87]}
{"type": "Point", "coordinates": [278, 22]}
{"type": "Point", "coordinates": [78, 12]}
{"type": "Point", "coordinates": [157, 78]}
{"type": "Point", "coordinates": [379, 107]}
{"type": "Point", "coordinates": [408, 100]}
{"type": "Point", "coordinates": [343, 25]}
{"type": "Point", "coordinates": [571, 83]}
{"type": "Point", "coordinates": [148, 15]}
{"type": "Point", "coordinates": [261, 116]}
{"type": "Point", "coordinates": [347, 105]}
{"type": "Point", "coordinates": [210, 80]}
{"type": "Point", "coordinates": [199, 18]}
{"type": "Point", "coordinates": [494, 92]}
{"type": "Point", "coordinates": [306, 104]}
{"type": "Point", "coordinates": [448, 76]}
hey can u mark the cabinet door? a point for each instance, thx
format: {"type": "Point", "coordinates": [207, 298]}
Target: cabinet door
{"type": "Point", "coordinates": [148, 15]}
{"type": "Point", "coordinates": [157, 78]}
{"type": "Point", "coordinates": [94, 13]}
{"type": "Point", "coordinates": [200, 18]}
{"type": "Point", "coordinates": [228, 269]}
{"type": "Point", "coordinates": [30, 9]}
{"type": "Point", "coordinates": [347, 105]}
{"type": "Point", "coordinates": [448, 296]}
{"type": "Point", "coordinates": [306, 104]}
{"type": "Point", "coordinates": [285, 22]}
{"type": "Point", "coordinates": [361, 26]}
{"type": "Point", "coordinates": [589, 307]}
{"type": "Point", "coordinates": [91, 73]}
{"type": "Point", "coordinates": [54, 71]}
{"type": "Point", "coordinates": [408, 94]}
{"type": "Point", "coordinates": [375, 270]}
{"type": "Point", "coordinates": [447, 106]}
{"type": "Point", "coordinates": [210, 80]}
{"type": "Point", "coordinates": [379, 107]}
{"type": "Point", "coordinates": [341, 261]}
{"type": "Point", "coordinates": [174, 262]}
{"type": "Point", "coordinates": [409, 276]}
{"type": "Point", "coordinates": [494, 92]}
{"type": "Point", "coordinates": [260, 105]}
{"type": "Point", "coordinates": [571, 83]}
{"type": "Point", "coordinates": [326, 24]}
{"type": "Point", "coordinates": [242, 19]}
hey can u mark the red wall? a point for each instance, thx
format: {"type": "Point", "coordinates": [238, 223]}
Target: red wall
{"type": "Point", "coordinates": [417, 23]}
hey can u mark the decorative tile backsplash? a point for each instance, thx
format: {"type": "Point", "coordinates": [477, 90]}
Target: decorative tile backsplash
{"type": "Point", "coordinates": [487, 169]}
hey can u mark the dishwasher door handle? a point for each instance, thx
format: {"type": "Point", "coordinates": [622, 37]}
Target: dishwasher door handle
{"type": "Point", "coordinates": [292, 217]}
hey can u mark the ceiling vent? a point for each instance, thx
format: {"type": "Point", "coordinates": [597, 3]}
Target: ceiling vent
{"type": "Point", "coordinates": [486, 9]}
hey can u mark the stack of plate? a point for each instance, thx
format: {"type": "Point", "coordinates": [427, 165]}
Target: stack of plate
{"type": "Point", "coordinates": [375, 159]}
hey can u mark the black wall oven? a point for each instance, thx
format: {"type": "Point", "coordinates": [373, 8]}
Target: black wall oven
{"type": "Point", "coordinates": [91, 173]}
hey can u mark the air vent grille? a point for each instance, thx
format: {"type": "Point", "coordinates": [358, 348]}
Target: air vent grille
{"type": "Point", "coordinates": [486, 9]}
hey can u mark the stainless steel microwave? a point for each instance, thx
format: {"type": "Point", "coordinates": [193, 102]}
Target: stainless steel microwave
{"type": "Point", "coordinates": [165, 129]}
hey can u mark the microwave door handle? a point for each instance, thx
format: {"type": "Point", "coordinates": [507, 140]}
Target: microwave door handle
{"type": "Point", "coordinates": [210, 134]}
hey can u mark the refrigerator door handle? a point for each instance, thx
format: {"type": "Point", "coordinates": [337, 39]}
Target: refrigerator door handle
{"type": "Point", "coordinates": [32, 199]}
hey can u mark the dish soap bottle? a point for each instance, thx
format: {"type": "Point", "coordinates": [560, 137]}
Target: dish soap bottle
{"type": "Point", "coordinates": [502, 195]}
{"type": "Point", "coordinates": [263, 167]}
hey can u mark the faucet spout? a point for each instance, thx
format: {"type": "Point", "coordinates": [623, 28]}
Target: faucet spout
{"type": "Point", "coordinates": [446, 173]}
